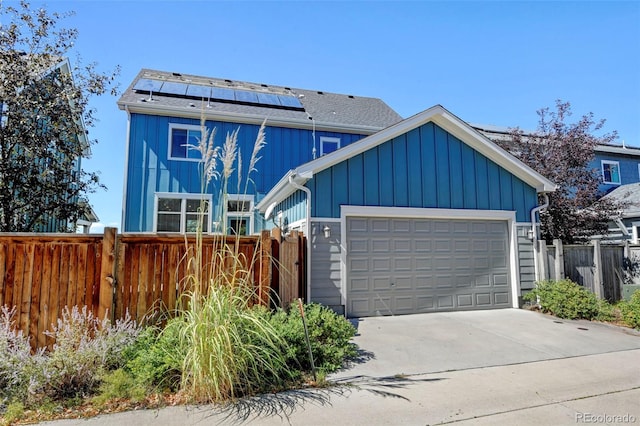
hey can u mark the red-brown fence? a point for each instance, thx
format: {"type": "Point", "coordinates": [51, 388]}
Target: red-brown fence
{"type": "Point", "coordinates": [114, 274]}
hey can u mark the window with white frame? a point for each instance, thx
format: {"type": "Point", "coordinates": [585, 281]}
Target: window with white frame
{"type": "Point", "coordinates": [328, 145]}
{"type": "Point", "coordinates": [183, 142]}
{"type": "Point", "coordinates": [611, 172]}
{"type": "Point", "coordinates": [181, 213]}
{"type": "Point", "coordinates": [239, 214]}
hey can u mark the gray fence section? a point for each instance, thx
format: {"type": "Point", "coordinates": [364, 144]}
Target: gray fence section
{"type": "Point", "coordinates": [597, 267]}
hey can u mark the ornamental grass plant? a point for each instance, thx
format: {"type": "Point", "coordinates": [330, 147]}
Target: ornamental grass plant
{"type": "Point", "coordinates": [226, 348]}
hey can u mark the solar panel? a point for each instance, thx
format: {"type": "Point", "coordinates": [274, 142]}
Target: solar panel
{"type": "Point", "coordinates": [171, 88]}
{"type": "Point", "coordinates": [148, 85]}
{"type": "Point", "coordinates": [199, 91]}
{"type": "Point", "coordinates": [224, 94]}
{"type": "Point", "coordinates": [268, 99]}
{"type": "Point", "coordinates": [289, 101]}
{"type": "Point", "coordinates": [246, 96]}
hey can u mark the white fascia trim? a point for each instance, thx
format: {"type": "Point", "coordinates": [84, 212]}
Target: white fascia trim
{"type": "Point", "coordinates": [618, 150]}
{"type": "Point", "coordinates": [281, 190]}
{"type": "Point", "coordinates": [410, 212]}
{"type": "Point", "coordinates": [452, 124]}
{"type": "Point", "coordinates": [126, 173]}
{"type": "Point", "coordinates": [234, 117]}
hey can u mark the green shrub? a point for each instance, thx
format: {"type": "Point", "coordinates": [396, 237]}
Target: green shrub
{"type": "Point", "coordinates": [119, 384]}
{"type": "Point", "coordinates": [150, 359]}
{"type": "Point", "coordinates": [565, 299]}
{"type": "Point", "coordinates": [329, 334]}
{"type": "Point", "coordinates": [630, 310]}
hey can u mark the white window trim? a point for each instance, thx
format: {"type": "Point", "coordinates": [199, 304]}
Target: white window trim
{"type": "Point", "coordinates": [328, 139]}
{"type": "Point", "coordinates": [181, 127]}
{"type": "Point", "coordinates": [638, 170]}
{"type": "Point", "coordinates": [249, 214]}
{"type": "Point", "coordinates": [184, 197]}
{"type": "Point", "coordinates": [615, 163]}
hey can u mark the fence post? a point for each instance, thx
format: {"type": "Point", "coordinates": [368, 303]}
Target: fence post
{"type": "Point", "coordinates": [598, 285]}
{"type": "Point", "coordinates": [265, 268]}
{"type": "Point", "coordinates": [559, 260]}
{"type": "Point", "coordinates": [106, 274]}
{"type": "Point", "coordinates": [543, 260]}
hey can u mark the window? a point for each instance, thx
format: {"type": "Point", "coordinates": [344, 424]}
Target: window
{"type": "Point", "coordinates": [183, 140]}
{"type": "Point", "coordinates": [610, 172]}
{"type": "Point", "coordinates": [181, 213]}
{"type": "Point", "coordinates": [328, 145]}
{"type": "Point", "coordinates": [239, 214]}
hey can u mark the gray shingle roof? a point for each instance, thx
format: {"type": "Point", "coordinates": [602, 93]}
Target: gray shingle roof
{"type": "Point", "coordinates": [628, 194]}
{"type": "Point", "coordinates": [328, 110]}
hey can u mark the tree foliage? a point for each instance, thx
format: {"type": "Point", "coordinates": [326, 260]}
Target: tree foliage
{"type": "Point", "coordinates": [45, 113]}
{"type": "Point", "coordinates": [562, 152]}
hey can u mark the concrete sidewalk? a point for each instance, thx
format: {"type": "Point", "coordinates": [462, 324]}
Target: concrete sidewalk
{"type": "Point", "coordinates": [499, 367]}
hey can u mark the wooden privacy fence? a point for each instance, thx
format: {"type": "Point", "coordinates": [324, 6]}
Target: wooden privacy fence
{"type": "Point", "coordinates": [114, 274]}
{"type": "Point", "coordinates": [597, 267]}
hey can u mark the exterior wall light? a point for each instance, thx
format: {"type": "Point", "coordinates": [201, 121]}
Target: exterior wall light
{"type": "Point", "coordinates": [327, 231]}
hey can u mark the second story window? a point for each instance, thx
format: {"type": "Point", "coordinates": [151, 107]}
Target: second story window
{"type": "Point", "coordinates": [183, 140]}
{"type": "Point", "coordinates": [611, 172]}
{"type": "Point", "coordinates": [328, 145]}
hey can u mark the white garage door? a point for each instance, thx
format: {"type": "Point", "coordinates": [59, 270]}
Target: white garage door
{"type": "Point", "coordinates": [408, 265]}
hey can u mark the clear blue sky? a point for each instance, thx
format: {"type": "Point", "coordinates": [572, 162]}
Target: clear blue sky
{"type": "Point", "coordinates": [487, 62]}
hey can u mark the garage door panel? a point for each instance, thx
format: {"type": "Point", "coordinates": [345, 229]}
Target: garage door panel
{"type": "Point", "coordinates": [424, 265]}
{"type": "Point", "coordinates": [359, 265]}
{"type": "Point", "coordinates": [359, 284]}
{"type": "Point", "coordinates": [381, 283]}
{"type": "Point", "coordinates": [502, 299]}
{"type": "Point", "coordinates": [445, 302]}
{"type": "Point", "coordinates": [464, 300]}
{"type": "Point", "coordinates": [403, 283]}
{"type": "Point", "coordinates": [483, 299]}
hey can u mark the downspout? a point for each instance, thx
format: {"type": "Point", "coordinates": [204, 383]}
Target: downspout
{"type": "Point", "coordinates": [307, 191]}
{"type": "Point", "coordinates": [534, 234]}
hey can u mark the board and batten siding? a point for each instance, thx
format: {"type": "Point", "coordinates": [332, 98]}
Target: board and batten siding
{"type": "Point", "coordinates": [149, 170]}
{"type": "Point", "coordinates": [325, 270]}
{"type": "Point", "coordinates": [526, 263]}
{"type": "Point", "coordinates": [426, 167]}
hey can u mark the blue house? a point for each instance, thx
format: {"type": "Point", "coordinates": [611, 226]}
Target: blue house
{"type": "Point", "coordinates": [425, 215]}
{"type": "Point", "coordinates": [402, 216]}
{"type": "Point", "coordinates": [164, 109]}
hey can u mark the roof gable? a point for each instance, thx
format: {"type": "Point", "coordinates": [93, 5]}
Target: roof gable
{"type": "Point", "coordinates": [437, 115]}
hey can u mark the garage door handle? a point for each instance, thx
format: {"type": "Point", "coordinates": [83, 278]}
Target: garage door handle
{"type": "Point", "coordinates": [393, 284]}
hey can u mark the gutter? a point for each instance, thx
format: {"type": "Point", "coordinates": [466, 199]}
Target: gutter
{"type": "Point", "coordinates": [307, 191]}
{"type": "Point", "coordinates": [534, 234]}
{"type": "Point", "coordinates": [233, 117]}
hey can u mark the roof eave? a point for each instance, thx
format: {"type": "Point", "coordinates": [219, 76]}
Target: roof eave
{"type": "Point", "coordinates": [282, 189]}
{"type": "Point", "coordinates": [234, 117]}
{"type": "Point", "coordinates": [452, 124]}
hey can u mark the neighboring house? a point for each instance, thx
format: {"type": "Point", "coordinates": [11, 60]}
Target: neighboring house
{"type": "Point", "coordinates": [49, 222]}
{"type": "Point", "coordinates": [162, 185]}
{"type": "Point", "coordinates": [617, 164]}
{"type": "Point", "coordinates": [627, 226]}
{"type": "Point", "coordinates": [426, 215]}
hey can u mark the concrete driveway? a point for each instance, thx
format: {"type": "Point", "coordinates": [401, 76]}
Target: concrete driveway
{"type": "Point", "coordinates": [484, 367]}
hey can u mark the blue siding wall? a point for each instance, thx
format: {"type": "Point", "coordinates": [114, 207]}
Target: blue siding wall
{"type": "Point", "coordinates": [149, 170]}
{"type": "Point", "coordinates": [629, 172]}
{"type": "Point", "coordinates": [426, 167]}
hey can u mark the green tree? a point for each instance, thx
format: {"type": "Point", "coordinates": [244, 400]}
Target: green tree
{"type": "Point", "coordinates": [44, 117]}
{"type": "Point", "coordinates": [563, 152]}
